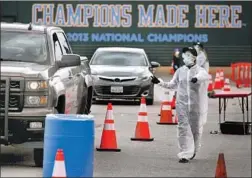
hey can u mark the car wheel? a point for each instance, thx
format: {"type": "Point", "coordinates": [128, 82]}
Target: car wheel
{"type": "Point", "coordinates": [38, 157]}
{"type": "Point", "coordinates": [150, 100]}
{"type": "Point", "coordinates": [82, 106]}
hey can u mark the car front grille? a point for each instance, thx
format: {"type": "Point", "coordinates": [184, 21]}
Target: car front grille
{"type": "Point", "coordinates": [127, 90]}
{"type": "Point", "coordinates": [15, 95]}
{"type": "Point", "coordinates": [14, 102]}
{"type": "Point", "coordinates": [13, 84]}
{"type": "Point", "coordinates": [115, 80]}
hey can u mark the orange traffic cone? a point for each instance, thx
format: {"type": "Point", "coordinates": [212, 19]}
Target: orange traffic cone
{"type": "Point", "coordinates": [142, 131]}
{"type": "Point", "coordinates": [221, 167]}
{"type": "Point", "coordinates": [222, 78]}
{"type": "Point", "coordinates": [210, 85]}
{"type": "Point", "coordinates": [161, 108]}
{"type": "Point", "coordinates": [217, 84]}
{"type": "Point", "coordinates": [167, 95]}
{"type": "Point", "coordinates": [108, 139]}
{"type": "Point", "coordinates": [166, 112]}
{"type": "Point", "coordinates": [226, 85]}
{"type": "Point", "coordinates": [173, 103]}
{"type": "Point", "coordinates": [59, 169]}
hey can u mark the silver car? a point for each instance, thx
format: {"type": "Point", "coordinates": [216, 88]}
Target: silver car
{"type": "Point", "coordinates": [122, 73]}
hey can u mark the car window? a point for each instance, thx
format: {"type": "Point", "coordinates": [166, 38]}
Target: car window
{"type": "Point", "coordinates": [24, 47]}
{"type": "Point", "coordinates": [64, 43]}
{"type": "Point", "coordinates": [58, 51]}
{"type": "Point", "coordinates": [116, 58]}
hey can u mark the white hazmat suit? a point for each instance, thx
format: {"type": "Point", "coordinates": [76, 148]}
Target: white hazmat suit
{"type": "Point", "coordinates": [202, 60]}
{"type": "Point", "coordinates": [191, 107]}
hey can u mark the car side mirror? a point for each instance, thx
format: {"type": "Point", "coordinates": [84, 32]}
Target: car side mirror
{"type": "Point", "coordinates": [83, 58]}
{"type": "Point", "coordinates": [154, 64]}
{"type": "Point", "coordinates": [69, 60]}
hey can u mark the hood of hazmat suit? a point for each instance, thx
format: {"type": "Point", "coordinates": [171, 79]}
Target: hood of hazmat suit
{"type": "Point", "coordinates": [202, 60]}
{"type": "Point", "coordinates": [191, 107]}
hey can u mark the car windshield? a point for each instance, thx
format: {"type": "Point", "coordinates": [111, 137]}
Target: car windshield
{"type": "Point", "coordinates": [116, 58]}
{"type": "Point", "coordinates": [24, 47]}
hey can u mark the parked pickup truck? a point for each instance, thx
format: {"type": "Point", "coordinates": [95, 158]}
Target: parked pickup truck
{"type": "Point", "coordinates": [40, 75]}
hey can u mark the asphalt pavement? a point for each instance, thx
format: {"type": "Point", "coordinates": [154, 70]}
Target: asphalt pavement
{"type": "Point", "coordinates": [151, 159]}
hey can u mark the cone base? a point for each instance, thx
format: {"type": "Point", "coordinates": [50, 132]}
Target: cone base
{"type": "Point", "coordinates": [142, 139]}
{"type": "Point", "coordinates": [109, 149]}
{"type": "Point", "coordinates": [165, 123]}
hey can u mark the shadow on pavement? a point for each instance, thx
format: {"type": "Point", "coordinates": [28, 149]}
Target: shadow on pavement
{"type": "Point", "coordinates": [14, 157]}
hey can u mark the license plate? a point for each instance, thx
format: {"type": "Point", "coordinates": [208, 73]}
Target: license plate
{"type": "Point", "coordinates": [35, 125]}
{"type": "Point", "coordinates": [116, 89]}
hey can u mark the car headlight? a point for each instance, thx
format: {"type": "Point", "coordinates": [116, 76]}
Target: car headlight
{"type": "Point", "coordinates": [35, 101]}
{"type": "Point", "coordinates": [36, 85]}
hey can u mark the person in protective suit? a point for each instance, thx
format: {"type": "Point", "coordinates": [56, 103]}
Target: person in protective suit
{"type": "Point", "coordinates": [202, 59]}
{"type": "Point", "coordinates": [191, 82]}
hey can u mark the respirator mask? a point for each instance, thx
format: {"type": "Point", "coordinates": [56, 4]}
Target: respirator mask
{"type": "Point", "coordinates": [188, 59]}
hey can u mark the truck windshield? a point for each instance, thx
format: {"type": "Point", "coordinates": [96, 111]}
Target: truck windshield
{"type": "Point", "coordinates": [24, 47]}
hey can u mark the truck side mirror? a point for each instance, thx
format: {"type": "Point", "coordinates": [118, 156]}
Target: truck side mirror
{"type": "Point", "coordinates": [69, 60]}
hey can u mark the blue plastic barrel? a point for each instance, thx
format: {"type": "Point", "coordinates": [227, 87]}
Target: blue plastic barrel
{"type": "Point", "coordinates": [75, 135]}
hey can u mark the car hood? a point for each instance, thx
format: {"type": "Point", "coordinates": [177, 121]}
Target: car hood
{"type": "Point", "coordinates": [23, 69]}
{"type": "Point", "coordinates": [122, 71]}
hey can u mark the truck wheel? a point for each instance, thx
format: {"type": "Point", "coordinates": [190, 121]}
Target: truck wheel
{"type": "Point", "coordinates": [61, 105]}
{"type": "Point", "coordinates": [86, 103]}
{"type": "Point", "coordinates": [89, 101]}
{"type": "Point", "coordinates": [38, 157]}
